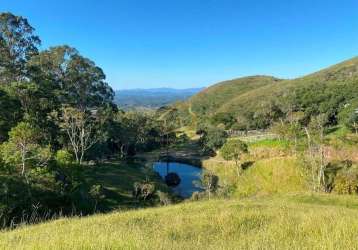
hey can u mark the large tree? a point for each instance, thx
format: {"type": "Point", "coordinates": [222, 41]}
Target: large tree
{"type": "Point", "coordinates": [74, 79]}
{"type": "Point", "coordinates": [63, 77]}
{"type": "Point", "coordinates": [9, 114]}
{"type": "Point", "coordinates": [17, 45]}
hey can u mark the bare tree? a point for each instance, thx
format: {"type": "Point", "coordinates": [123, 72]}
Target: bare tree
{"type": "Point", "coordinates": [316, 151]}
{"type": "Point", "coordinates": [79, 127]}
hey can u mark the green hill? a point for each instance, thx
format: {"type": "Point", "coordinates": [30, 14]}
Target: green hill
{"type": "Point", "coordinates": [211, 99]}
{"type": "Point", "coordinates": [303, 221]}
{"type": "Point", "coordinates": [332, 89]}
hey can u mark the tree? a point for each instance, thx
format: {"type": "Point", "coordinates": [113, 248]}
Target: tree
{"type": "Point", "coordinates": [23, 148]}
{"type": "Point", "coordinates": [17, 45]}
{"type": "Point", "coordinates": [134, 131]}
{"type": "Point", "coordinates": [223, 118]}
{"type": "Point", "coordinates": [212, 138]}
{"type": "Point", "coordinates": [267, 113]}
{"type": "Point", "coordinates": [290, 129]}
{"type": "Point", "coordinates": [9, 114]}
{"type": "Point", "coordinates": [232, 151]}
{"type": "Point", "coordinates": [209, 182]}
{"type": "Point", "coordinates": [169, 121]}
{"type": "Point", "coordinates": [79, 127]}
{"type": "Point", "coordinates": [353, 122]}
{"type": "Point", "coordinates": [315, 133]}
{"type": "Point", "coordinates": [28, 95]}
{"type": "Point", "coordinates": [86, 86]}
{"type": "Point", "coordinates": [75, 80]}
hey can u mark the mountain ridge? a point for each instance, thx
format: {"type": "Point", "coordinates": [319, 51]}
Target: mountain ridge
{"type": "Point", "coordinates": [152, 98]}
{"type": "Point", "coordinates": [248, 96]}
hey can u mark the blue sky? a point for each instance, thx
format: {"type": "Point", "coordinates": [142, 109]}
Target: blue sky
{"type": "Point", "coordinates": [194, 43]}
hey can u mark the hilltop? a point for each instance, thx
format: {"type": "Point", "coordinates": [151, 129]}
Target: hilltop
{"type": "Point", "coordinates": [247, 98]}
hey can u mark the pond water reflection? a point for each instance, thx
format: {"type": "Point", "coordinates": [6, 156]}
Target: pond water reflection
{"type": "Point", "coordinates": [189, 176]}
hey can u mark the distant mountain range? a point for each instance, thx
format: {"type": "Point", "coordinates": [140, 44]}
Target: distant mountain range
{"type": "Point", "coordinates": [152, 98]}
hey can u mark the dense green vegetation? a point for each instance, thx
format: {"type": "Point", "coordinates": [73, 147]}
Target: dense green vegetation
{"type": "Point", "coordinates": [60, 132]}
{"type": "Point", "coordinates": [257, 102]}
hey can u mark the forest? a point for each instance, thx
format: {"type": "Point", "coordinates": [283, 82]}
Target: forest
{"type": "Point", "coordinates": [57, 118]}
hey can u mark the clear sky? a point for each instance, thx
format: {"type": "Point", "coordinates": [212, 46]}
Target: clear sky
{"type": "Point", "coordinates": [194, 43]}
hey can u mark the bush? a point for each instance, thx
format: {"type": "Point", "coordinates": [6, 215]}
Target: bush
{"type": "Point", "coordinates": [183, 138]}
{"type": "Point", "coordinates": [225, 190]}
{"type": "Point", "coordinates": [212, 138]}
{"type": "Point", "coordinates": [233, 150]}
{"type": "Point", "coordinates": [209, 182]}
{"type": "Point", "coordinates": [143, 190]}
{"type": "Point", "coordinates": [352, 122]}
{"type": "Point", "coordinates": [63, 158]}
{"type": "Point", "coordinates": [97, 194]}
{"type": "Point", "coordinates": [164, 198]}
{"type": "Point", "coordinates": [197, 196]}
{"type": "Point", "coordinates": [346, 182]}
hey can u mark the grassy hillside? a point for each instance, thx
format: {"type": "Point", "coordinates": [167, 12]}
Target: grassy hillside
{"type": "Point", "coordinates": [342, 74]}
{"type": "Point", "coordinates": [252, 95]}
{"type": "Point", "coordinates": [214, 97]}
{"type": "Point", "coordinates": [117, 179]}
{"type": "Point", "coordinates": [303, 221]}
{"type": "Point", "coordinates": [270, 207]}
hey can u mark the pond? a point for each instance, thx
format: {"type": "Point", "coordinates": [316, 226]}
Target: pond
{"type": "Point", "coordinates": [189, 176]}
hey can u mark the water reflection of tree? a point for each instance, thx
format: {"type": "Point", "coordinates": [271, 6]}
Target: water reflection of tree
{"type": "Point", "coordinates": [169, 122]}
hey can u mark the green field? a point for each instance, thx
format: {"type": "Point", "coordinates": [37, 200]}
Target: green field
{"type": "Point", "coordinates": [276, 222]}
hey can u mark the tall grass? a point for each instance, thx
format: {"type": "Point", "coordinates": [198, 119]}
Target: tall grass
{"type": "Point", "coordinates": [272, 176]}
{"type": "Point", "coordinates": [256, 223]}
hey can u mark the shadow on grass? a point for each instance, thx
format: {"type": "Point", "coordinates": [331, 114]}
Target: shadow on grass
{"type": "Point", "coordinates": [117, 178]}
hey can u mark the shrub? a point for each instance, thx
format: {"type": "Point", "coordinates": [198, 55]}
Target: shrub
{"type": "Point", "coordinates": [164, 198]}
{"type": "Point", "coordinates": [209, 182]}
{"type": "Point", "coordinates": [197, 196]}
{"type": "Point", "coordinates": [64, 158]}
{"type": "Point", "coordinates": [183, 138]}
{"type": "Point", "coordinates": [143, 190]}
{"type": "Point", "coordinates": [352, 122]}
{"type": "Point", "coordinates": [212, 138]}
{"type": "Point", "coordinates": [346, 182]}
{"type": "Point", "coordinates": [225, 190]}
{"type": "Point", "coordinates": [97, 194]}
